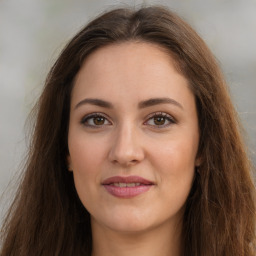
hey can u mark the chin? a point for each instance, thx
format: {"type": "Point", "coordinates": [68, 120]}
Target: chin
{"type": "Point", "coordinates": [129, 226]}
{"type": "Point", "coordinates": [128, 222]}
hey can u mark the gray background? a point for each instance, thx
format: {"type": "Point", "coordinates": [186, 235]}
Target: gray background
{"type": "Point", "coordinates": [32, 33]}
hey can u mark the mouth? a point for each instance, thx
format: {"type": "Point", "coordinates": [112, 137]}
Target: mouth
{"type": "Point", "coordinates": [127, 187]}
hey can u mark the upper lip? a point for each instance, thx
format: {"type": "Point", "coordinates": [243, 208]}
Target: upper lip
{"type": "Point", "coordinates": [127, 179]}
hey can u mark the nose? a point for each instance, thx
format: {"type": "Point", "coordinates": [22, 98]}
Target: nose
{"type": "Point", "coordinates": [126, 148]}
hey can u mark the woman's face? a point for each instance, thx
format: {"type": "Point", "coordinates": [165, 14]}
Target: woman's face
{"type": "Point", "coordinates": [133, 137]}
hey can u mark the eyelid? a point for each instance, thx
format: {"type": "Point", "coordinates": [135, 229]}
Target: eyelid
{"type": "Point", "coordinates": [167, 116]}
{"type": "Point", "coordinates": [170, 118]}
{"type": "Point", "coordinates": [92, 115]}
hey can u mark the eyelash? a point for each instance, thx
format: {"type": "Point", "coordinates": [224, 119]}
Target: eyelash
{"type": "Point", "coordinates": [91, 116]}
{"type": "Point", "coordinates": [166, 116]}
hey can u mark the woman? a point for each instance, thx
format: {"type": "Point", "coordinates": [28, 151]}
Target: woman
{"type": "Point", "coordinates": [136, 149]}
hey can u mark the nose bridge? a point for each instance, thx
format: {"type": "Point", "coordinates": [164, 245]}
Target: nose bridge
{"type": "Point", "coordinates": [126, 146]}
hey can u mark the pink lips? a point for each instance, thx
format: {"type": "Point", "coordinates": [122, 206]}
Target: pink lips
{"type": "Point", "coordinates": [127, 187]}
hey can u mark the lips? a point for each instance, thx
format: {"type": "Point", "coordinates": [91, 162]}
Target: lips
{"type": "Point", "coordinates": [129, 179]}
{"type": "Point", "coordinates": [127, 187]}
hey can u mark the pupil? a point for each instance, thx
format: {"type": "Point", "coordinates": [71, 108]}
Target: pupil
{"type": "Point", "coordinates": [159, 120]}
{"type": "Point", "coordinates": [98, 120]}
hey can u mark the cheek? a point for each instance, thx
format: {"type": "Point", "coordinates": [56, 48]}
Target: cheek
{"type": "Point", "coordinates": [175, 157]}
{"type": "Point", "coordinates": [175, 165]}
{"type": "Point", "coordinates": [85, 153]}
{"type": "Point", "coordinates": [85, 161]}
{"type": "Point", "coordinates": [177, 175]}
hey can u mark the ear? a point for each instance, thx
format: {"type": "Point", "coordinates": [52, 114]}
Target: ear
{"type": "Point", "coordinates": [69, 163]}
{"type": "Point", "coordinates": [198, 161]}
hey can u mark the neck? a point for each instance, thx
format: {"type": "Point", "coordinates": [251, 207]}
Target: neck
{"type": "Point", "coordinates": [154, 242]}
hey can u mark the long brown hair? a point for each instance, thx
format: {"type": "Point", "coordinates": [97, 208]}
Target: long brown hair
{"type": "Point", "coordinates": [47, 217]}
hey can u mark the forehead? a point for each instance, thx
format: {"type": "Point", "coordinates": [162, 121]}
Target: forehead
{"type": "Point", "coordinates": [131, 53]}
{"type": "Point", "coordinates": [132, 69]}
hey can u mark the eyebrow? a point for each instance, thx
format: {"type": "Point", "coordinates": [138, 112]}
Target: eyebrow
{"type": "Point", "coordinates": [96, 102]}
{"type": "Point", "coordinates": [157, 101]}
{"type": "Point", "coordinates": [142, 104]}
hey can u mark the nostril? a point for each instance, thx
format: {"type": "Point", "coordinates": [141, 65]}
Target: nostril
{"type": "Point", "coordinates": [126, 151]}
{"type": "Point", "coordinates": [126, 163]}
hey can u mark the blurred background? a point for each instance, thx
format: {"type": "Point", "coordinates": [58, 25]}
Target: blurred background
{"type": "Point", "coordinates": [33, 32]}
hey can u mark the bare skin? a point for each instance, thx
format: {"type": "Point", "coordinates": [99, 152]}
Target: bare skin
{"type": "Point", "coordinates": [133, 114]}
{"type": "Point", "coordinates": [110, 243]}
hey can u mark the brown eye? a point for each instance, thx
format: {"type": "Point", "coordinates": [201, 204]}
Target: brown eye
{"type": "Point", "coordinates": [98, 120]}
{"type": "Point", "coordinates": [159, 120]}
{"type": "Point", "coordinates": [95, 121]}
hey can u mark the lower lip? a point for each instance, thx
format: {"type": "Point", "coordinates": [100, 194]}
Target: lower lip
{"type": "Point", "coordinates": [127, 192]}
